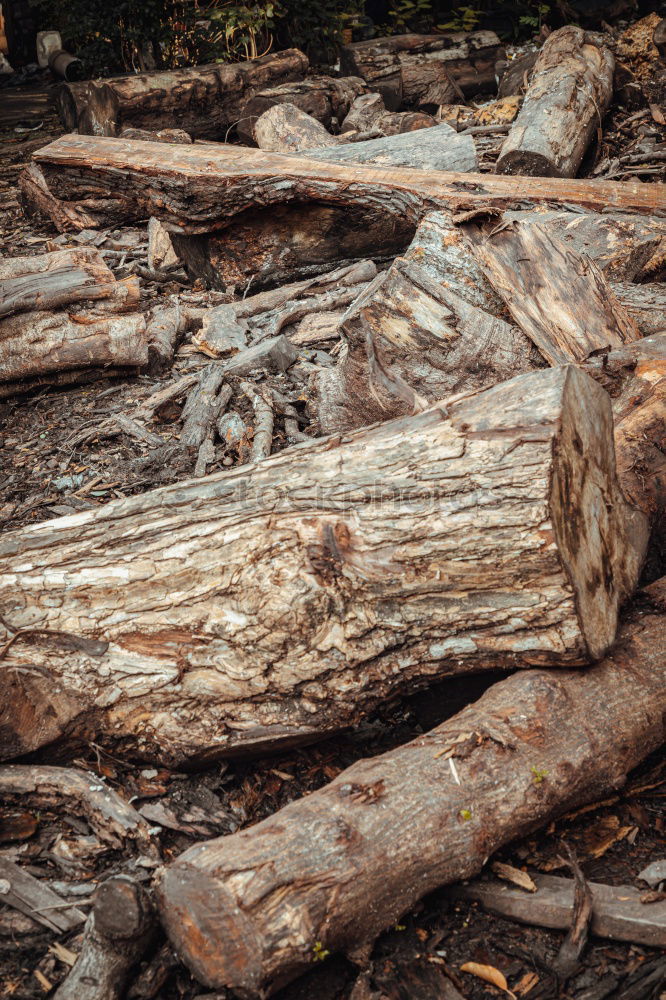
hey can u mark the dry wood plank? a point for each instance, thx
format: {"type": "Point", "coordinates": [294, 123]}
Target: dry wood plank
{"type": "Point", "coordinates": [208, 185]}
{"type": "Point", "coordinates": [27, 894]}
{"type": "Point", "coordinates": [203, 101]}
{"type": "Point", "coordinates": [617, 911]}
{"type": "Point", "coordinates": [569, 93]}
{"type": "Point", "coordinates": [251, 910]}
{"type": "Point", "coordinates": [253, 607]}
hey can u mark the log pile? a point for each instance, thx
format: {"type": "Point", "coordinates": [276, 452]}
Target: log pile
{"type": "Point", "coordinates": [404, 410]}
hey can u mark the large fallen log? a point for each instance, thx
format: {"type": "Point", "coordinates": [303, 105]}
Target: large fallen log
{"type": "Point", "coordinates": [331, 871]}
{"type": "Point", "coordinates": [469, 59]}
{"type": "Point", "coordinates": [252, 608]}
{"type": "Point", "coordinates": [569, 93]}
{"type": "Point", "coordinates": [200, 188]}
{"type": "Point", "coordinates": [202, 100]}
{"type": "Point", "coordinates": [325, 98]}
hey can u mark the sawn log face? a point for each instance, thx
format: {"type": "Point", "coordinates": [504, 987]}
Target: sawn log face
{"type": "Point", "coordinates": [281, 601]}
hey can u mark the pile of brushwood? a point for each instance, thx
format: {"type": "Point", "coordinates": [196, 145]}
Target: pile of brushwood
{"type": "Point", "coordinates": [383, 359]}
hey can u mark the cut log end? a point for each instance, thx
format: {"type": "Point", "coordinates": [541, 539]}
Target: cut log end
{"type": "Point", "coordinates": [601, 539]}
{"type": "Point", "coordinates": [529, 164]}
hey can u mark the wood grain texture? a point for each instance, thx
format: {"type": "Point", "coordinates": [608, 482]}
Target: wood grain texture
{"type": "Point", "coordinates": [201, 188]}
{"type": "Point", "coordinates": [283, 600]}
{"type": "Point", "coordinates": [337, 867]}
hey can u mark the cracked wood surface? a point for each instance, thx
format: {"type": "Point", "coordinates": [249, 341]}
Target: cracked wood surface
{"type": "Point", "coordinates": [283, 600]}
{"type": "Point", "coordinates": [569, 93]}
{"type": "Point", "coordinates": [332, 870]}
{"type": "Point", "coordinates": [82, 180]}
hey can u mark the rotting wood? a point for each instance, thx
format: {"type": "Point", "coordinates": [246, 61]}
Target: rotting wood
{"type": "Point", "coordinates": [569, 93]}
{"type": "Point", "coordinates": [204, 101]}
{"type": "Point", "coordinates": [250, 911]}
{"type": "Point", "coordinates": [325, 98]}
{"type": "Point", "coordinates": [119, 930]}
{"type": "Point", "coordinates": [211, 184]}
{"type": "Point", "coordinates": [114, 821]}
{"type": "Point", "coordinates": [204, 654]}
{"type": "Point", "coordinates": [27, 894]}
{"type": "Point", "coordinates": [646, 304]}
{"type": "Point", "coordinates": [617, 911]}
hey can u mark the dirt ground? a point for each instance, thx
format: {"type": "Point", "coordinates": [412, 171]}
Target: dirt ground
{"type": "Point", "coordinates": [54, 460]}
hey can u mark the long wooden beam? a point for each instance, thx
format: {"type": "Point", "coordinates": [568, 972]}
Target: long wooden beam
{"type": "Point", "coordinates": [80, 180]}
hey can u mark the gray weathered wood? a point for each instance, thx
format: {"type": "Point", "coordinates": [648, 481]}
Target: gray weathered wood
{"type": "Point", "coordinates": [281, 601]}
{"type": "Point", "coordinates": [569, 93]}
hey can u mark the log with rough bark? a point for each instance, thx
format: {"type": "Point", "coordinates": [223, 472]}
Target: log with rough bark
{"type": "Point", "coordinates": [469, 59]}
{"type": "Point", "coordinates": [646, 304]}
{"type": "Point", "coordinates": [570, 91]}
{"type": "Point", "coordinates": [52, 280]}
{"type": "Point", "coordinates": [258, 607]}
{"type": "Point", "coordinates": [88, 180]}
{"type": "Point", "coordinates": [119, 930]}
{"type": "Point", "coordinates": [286, 128]}
{"type": "Point", "coordinates": [331, 871]}
{"type": "Point", "coordinates": [325, 98]}
{"type": "Point", "coordinates": [204, 101]}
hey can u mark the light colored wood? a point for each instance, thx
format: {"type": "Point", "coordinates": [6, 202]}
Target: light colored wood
{"type": "Point", "coordinates": [57, 279]}
{"type": "Point", "coordinates": [325, 98]}
{"type": "Point", "coordinates": [281, 601]}
{"type": "Point", "coordinates": [569, 93]}
{"type": "Point", "coordinates": [332, 870]}
{"type": "Point", "coordinates": [209, 185]}
{"type": "Point", "coordinates": [286, 128]}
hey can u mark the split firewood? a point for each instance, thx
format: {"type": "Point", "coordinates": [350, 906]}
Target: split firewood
{"type": "Point", "coordinates": [211, 185]}
{"type": "Point", "coordinates": [208, 654]}
{"type": "Point", "coordinates": [253, 910]}
{"type": "Point", "coordinates": [203, 101]}
{"type": "Point", "coordinates": [53, 280]}
{"type": "Point", "coordinates": [569, 93]}
{"type": "Point", "coordinates": [325, 98]}
{"type": "Point", "coordinates": [119, 930]}
{"type": "Point", "coordinates": [545, 284]}
{"type": "Point", "coordinates": [161, 253]}
{"type": "Point", "coordinates": [469, 59]}
{"type": "Point", "coordinates": [113, 820]}
{"type": "Point", "coordinates": [221, 332]}
{"type": "Point", "coordinates": [617, 911]}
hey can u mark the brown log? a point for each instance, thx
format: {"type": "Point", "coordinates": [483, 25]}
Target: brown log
{"type": "Point", "coordinates": [331, 871]}
{"type": "Point", "coordinates": [646, 304]}
{"type": "Point", "coordinates": [427, 85]}
{"type": "Point", "coordinates": [325, 98]}
{"type": "Point", "coordinates": [569, 93]}
{"type": "Point", "coordinates": [204, 101]}
{"type": "Point", "coordinates": [469, 59]}
{"type": "Point", "coordinates": [515, 75]}
{"type": "Point", "coordinates": [89, 179]}
{"type": "Point", "coordinates": [51, 280]}
{"type": "Point", "coordinates": [250, 609]}
{"type": "Point", "coordinates": [118, 931]}
{"type": "Point", "coordinates": [37, 345]}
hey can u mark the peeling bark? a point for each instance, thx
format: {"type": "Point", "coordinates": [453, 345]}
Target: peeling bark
{"type": "Point", "coordinates": [331, 871]}
{"type": "Point", "coordinates": [282, 601]}
{"type": "Point", "coordinates": [569, 93]}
